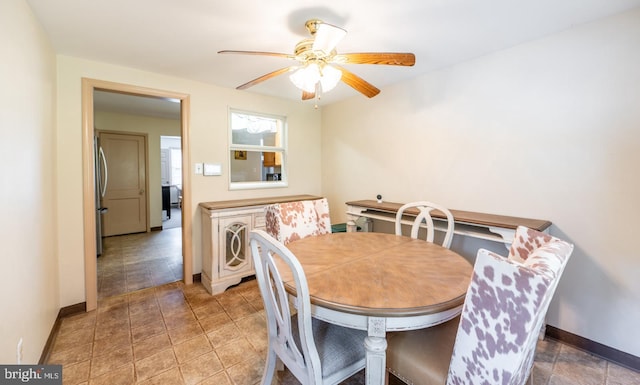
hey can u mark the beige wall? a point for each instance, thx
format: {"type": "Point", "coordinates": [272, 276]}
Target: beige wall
{"type": "Point", "coordinates": [208, 143]}
{"type": "Point", "coordinates": [28, 258]}
{"type": "Point", "coordinates": [548, 129]}
{"type": "Point", "coordinates": [153, 128]}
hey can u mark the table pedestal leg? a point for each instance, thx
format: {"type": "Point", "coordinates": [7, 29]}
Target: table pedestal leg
{"type": "Point", "coordinates": [375, 345]}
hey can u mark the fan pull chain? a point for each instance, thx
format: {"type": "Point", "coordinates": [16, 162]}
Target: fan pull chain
{"type": "Point", "coordinates": [318, 94]}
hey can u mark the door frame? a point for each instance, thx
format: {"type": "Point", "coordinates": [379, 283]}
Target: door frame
{"type": "Point", "coordinates": [88, 176]}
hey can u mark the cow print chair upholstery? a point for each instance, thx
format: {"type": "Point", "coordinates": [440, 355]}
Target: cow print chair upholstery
{"type": "Point", "coordinates": [493, 340]}
{"type": "Point", "coordinates": [291, 221]}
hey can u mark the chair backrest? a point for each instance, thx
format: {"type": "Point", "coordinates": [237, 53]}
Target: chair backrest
{"type": "Point", "coordinates": [503, 312]}
{"type": "Point", "coordinates": [525, 242]}
{"type": "Point", "coordinates": [424, 215]}
{"type": "Point", "coordinates": [291, 221]}
{"type": "Point", "coordinates": [301, 359]}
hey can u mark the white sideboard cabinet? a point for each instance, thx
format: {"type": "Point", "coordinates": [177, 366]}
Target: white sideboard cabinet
{"type": "Point", "coordinates": [226, 254]}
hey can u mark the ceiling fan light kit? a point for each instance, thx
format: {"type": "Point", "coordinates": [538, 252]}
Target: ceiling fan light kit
{"type": "Point", "coordinates": [308, 77]}
{"type": "Point", "coordinates": [319, 71]}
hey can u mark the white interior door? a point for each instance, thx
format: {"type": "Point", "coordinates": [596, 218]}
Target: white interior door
{"type": "Point", "coordinates": [125, 195]}
{"type": "Point", "coordinates": [165, 166]}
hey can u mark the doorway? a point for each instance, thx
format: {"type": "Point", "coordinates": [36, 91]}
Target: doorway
{"type": "Point", "coordinates": [88, 88]}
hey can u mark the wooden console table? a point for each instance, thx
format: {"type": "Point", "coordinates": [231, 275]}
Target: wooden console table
{"type": "Point", "coordinates": [498, 228]}
{"type": "Point", "coordinates": [226, 255]}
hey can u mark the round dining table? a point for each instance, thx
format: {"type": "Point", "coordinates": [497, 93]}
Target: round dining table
{"type": "Point", "coordinates": [380, 282]}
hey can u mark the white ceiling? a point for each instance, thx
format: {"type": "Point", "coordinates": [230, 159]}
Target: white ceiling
{"type": "Point", "coordinates": [181, 38]}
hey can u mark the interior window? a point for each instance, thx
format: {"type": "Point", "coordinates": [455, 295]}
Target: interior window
{"type": "Point", "coordinates": [257, 150]}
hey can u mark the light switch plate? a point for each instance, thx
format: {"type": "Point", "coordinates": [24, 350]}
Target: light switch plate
{"type": "Point", "coordinates": [198, 169]}
{"type": "Point", "coordinates": [212, 169]}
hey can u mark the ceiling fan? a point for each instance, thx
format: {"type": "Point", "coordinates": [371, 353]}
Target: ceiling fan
{"type": "Point", "coordinates": [319, 68]}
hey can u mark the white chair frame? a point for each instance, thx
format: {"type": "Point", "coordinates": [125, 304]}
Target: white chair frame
{"type": "Point", "coordinates": [424, 215]}
{"type": "Point", "coordinates": [291, 339]}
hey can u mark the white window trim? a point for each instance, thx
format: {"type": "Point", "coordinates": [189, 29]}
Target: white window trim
{"type": "Point", "coordinates": [284, 180]}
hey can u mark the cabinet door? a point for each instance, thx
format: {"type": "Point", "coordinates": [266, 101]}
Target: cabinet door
{"type": "Point", "coordinates": [235, 252]}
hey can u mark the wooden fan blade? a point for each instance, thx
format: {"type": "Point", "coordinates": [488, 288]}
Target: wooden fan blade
{"type": "Point", "coordinates": [358, 83]}
{"type": "Point", "coordinates": [387, 58]}
{"type": "Point", "coordinates": [308, 95]}
{"type": "Point", "coordinates": [263, 78]}
{"type": "Point", "coordinates": [276, 54]}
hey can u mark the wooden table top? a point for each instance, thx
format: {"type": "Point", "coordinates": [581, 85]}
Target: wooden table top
{"type": "Point", "coordinates": [382, 275]}
{"type": "Point", "coordinates": [460, 216]}
{"type": "Point", "coordinates": [219, 205]}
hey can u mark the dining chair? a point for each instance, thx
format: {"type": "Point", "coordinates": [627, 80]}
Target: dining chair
{"type": "Point", "coordinates": [424, 209]}
{"type": "Point", "coordinates": [493, 340]}
{"type": "Point", "coordinates": [291, 221]}
{"type": "Point", "coordinates": [316, 352]}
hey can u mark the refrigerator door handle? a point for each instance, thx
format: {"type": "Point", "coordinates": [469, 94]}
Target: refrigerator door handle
{"type": "Point", "coordinates": [106, 173]}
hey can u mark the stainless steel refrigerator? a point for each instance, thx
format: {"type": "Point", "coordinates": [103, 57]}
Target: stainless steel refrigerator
{"type": "Point", "coordinates": [100, 187]}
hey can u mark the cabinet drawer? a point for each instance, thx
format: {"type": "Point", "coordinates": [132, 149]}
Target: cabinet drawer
{"type": "Point", "coordinates": [259, 221]}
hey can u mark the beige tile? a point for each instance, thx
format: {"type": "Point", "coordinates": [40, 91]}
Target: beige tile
{"type": "Point", "coordinates": [78, 321]}
{"type": "Point", "coordinates": [155, 364]}
{"type": "Point", "coordinates": [200, 368]}
{"type": "Point", "coordinates": [247, 372]}
{"type": "Point", "coordinates": [230, 299]}
{"type": "Point", "coordinates": [249, 290]}
{"type": "Point", "coordinates": [540, 374]}
{"type": "Point", "coordinates": [107, 304]}
{"type": "Point", "coordinates": [224, 335]}
{"type": "Point", "coordinates": [578, 367]}
{"type": "Point", "coordinates": [215, 322]}
{"type": "Point", "coordinates": [260, 342]}
{"type": "Point", "coordinates": [70, 355]}
{"type": "Point", "coordinates": [76, 373]}
{"type": "Point", "coordinates": [200, 298]}
{"type": "Point", "coordinates": [73, 339]}
{"type": "Point", "coordinates": [113, 313]}
{"type": "Point", "coordinates": [257, 304]}
{"type": "Point", "coordinates": [220, 378]}
{"type": "Point", "coordinates": [179, 320]}
{"type": "Point", "coordinates": [110, 361]}
{"type": "Point", "coordinates": [236, 352]}
{"type": "Point", "coordinates": [183, 355]}
{"type": "Point", "coordinates": [151, 346]}
{"type": "Point", "coordinates": [240, 311]}
{"type": "Point", "coordinates": [113, 329]}
{"type": "Point", "coordinates": [208, 309]}
{"type": "Point", "coordinates": [618, 375]}
{"type": "Point", "coordinates": [121, 340]}
{"type": "Point", "coordinates": [192, 348]}
{"type": "Point", "coordinates": [252, 324]}
{"type": "Point", "coordinates": [141, 296]}
{"type": "Point", "coordinates": [186, 332]}
{"type": "Point", "coordinates": [171, 299]}
{"type": "Point", "coordinates": [146, 318]}
{"type": "Point", "coordinates": [151, 329]}
{"type": "Point", "coordinates": [170, 377]}
{"type": "Point", "coordinates": [120, 376]}
{"type": "Point", "coordinates": [144, 306]}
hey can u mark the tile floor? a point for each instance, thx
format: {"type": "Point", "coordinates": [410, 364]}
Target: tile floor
{"type": "Point", "coordinates": [176, 334]}
{"type": "Point", "coordinates": [138, 261]}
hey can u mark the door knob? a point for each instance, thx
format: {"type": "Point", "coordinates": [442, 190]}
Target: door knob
{"type": "Point", "coordinates": [141, 192]}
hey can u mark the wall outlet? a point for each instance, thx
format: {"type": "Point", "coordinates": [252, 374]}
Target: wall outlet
{"type": "Point", "coordinates": [19, 352]}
